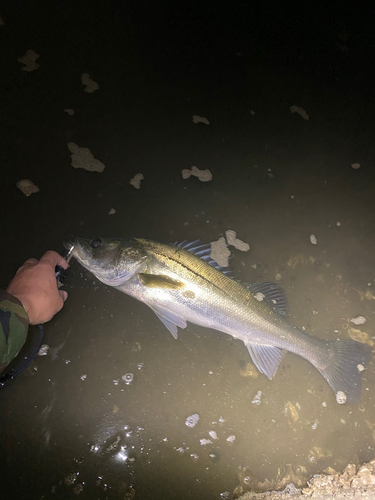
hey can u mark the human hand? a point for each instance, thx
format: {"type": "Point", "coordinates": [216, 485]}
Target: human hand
{"type": "Point", "coordinates": [35, 285]}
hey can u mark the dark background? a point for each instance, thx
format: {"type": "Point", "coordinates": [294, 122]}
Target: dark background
{"type": "Point", "coordinates": [157, 64]}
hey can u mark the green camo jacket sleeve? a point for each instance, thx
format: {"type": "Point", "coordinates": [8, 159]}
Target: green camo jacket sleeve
{"type": "Point", "coordinates": [14, 324]}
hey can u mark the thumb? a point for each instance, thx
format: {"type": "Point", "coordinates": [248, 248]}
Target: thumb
{"type": "Point", "coordinates": [63, 294]}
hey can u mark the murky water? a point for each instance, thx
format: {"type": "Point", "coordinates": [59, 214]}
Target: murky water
{"type": "Point", "coordinates": [104, 414]}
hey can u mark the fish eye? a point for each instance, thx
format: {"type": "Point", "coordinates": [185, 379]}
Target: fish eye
{"type": "Point", "coordinates": [96, 243]}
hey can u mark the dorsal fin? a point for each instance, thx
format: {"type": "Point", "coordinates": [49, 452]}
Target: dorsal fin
{"type": "Point", "coordinates": [273, 294]}
{"type": "Point", "coordinates": [203, 251]}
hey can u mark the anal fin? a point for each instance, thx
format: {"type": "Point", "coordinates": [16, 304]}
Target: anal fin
{"type": "Point", "coordinates": [266, 358]}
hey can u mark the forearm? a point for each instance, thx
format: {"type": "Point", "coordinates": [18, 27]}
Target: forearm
{"type": "Point", "coordinates": [14, 323]}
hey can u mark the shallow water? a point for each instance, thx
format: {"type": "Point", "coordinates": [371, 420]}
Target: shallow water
{"type": "Point", "coordinates": [71, 425]}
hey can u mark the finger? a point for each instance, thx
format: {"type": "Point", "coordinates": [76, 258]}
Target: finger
{"type": "Point", "coordinates": [54, 259]}
{"type": "Point", "coordinates": [30, 262]}
{"type": "Point", "coordinates": [63, 294]}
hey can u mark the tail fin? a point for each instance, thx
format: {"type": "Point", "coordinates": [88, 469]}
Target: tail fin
{"type": "Point", "coordinates": [343, 371]}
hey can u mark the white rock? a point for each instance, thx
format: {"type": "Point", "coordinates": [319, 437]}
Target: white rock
{"type": "Point", "coordinates": [235, 242]}
{"type": "Point", "coordinates": [300, 111]}
{"type": "Point", "coordinates": [112, 211]}
{"type": "Point", "coordinates": [192, 420]}
{"type": "Point", "coordinates": [29, 60]}
{"type": "Point", "coordinates": [83, 158]}
{"type": "Point", "coordinates": [359, 320]}
{"type": "Point", "coordinates": [91, 86]}
{"type": "Point", "coordinates": [213, 435]}
{"type": "Point", "coordinates": [356, 166]}
{"type": "Point", "coordinates": [204, 442]}
{"type": "Point", "coordinates": [136, 180]}
{"type": "Point", "coordinates": [43, 351]}
{"type": "Point", "coordinates": [27, 187]}
{"type": "Point", "coordinates": [220, 252]}
{"type": "Point", "coordinates": [341, 397]}
{"type": "Point", "coordinates": [313, 239]}
{"type": "Point", "coordinates": [203, 175]}
{"type": "Point", "coordinates": [200, 119]}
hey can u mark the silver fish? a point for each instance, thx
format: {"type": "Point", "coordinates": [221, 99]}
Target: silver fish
{"type": "Point", "coordinates": [181, 284]}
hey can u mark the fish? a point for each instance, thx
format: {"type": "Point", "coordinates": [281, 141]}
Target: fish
{"type": "Point", "coordinates": [181, 284]}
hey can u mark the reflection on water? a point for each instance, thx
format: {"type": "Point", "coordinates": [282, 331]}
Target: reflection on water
{"type": "Point", "coordinates": [118, 408]}
{"type": "Point", "coordinates": [123, 408]}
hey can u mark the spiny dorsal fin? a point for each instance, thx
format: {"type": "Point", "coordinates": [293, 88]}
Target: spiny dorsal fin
{"type": "Point", "coordinates": [203, 251]}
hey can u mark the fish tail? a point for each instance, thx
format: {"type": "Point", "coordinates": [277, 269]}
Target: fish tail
{"type": "Point", "coordinates": [346, 360]}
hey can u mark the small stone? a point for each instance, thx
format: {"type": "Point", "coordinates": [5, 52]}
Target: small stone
{"type": "Point", "coordinates": [300, 111]}
{"type": "Point", "coordinates": [257, 398]}
{"type": "Point", "coordinates": [83, 158]}
{"type": "Point", "coordinates": [29, 60]}
{"type": "Point", "coordinates": [356, 166]}
{"type": "Point", "coordinates": [213, 435]}
{"type": "Point", "coordinates": [278, 276]}
{"type": "Point", "coordinates": [192, 420]}
{"type": "Point", "coordinates": [231, 438]}
{"type": "Point", "coordinates": [313, 239]}
{"type": "Point", "coordinates": [69, 111]}
{"type": "Point", "coordinates": [360, 368]}
{"type": "Point", "coordinates": [200, 119]}
{"type": "Point", "coordinates": [112, 211]}
{"type": "Point", "coordinates": [232, 240]}
{"type": "Point", "coordinates": [27, 187]}
{"type": "Point", "coordinates": [220, 253]}
{"type": "Point", "coordinates": [341, 397]}
{"type": "Point", "coordinates": [136, 181]}
{"type": "Point", "coordinates": [359, 320]}
{"type": "Point", "coordinates": [259, 296]}
{"type": "Point", "coordinates": [83, 377]}
{"type": "Point", "coordinates": [203, 175]}
{"type": "Point", "coordinates": [204, 442]}
{"type": "Point", "coordinates": [338, 224]}
{"type": "Point", "coordinates": [43, 351]}
{"type": "Point", "coordinates": [91, 86]}
{"type": "Point", "coordinates": [324, 404]}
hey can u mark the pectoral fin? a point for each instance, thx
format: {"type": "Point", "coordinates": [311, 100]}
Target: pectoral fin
{"type": "Point", "coordinates": [266, 358]}
{"type": "Point", "coordinates": [169, 319]}
{"type": "Point", "coordinates": [159, 281]}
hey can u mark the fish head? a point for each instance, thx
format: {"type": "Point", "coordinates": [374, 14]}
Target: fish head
{"type": "Point", "coordinates": [112, 260]}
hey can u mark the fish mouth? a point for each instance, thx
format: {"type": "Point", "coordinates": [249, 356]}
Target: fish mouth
{"type": "Point", "coordinates": [77, 248]}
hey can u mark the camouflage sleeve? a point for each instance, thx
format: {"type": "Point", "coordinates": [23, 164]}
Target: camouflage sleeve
{"type": "Point", "coordinates": [14, 323]}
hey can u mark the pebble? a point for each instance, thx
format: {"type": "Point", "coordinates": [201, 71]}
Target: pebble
{"type": "Point", "coordinates": [204, 441]}
{"type": "Point", "coordinates": [231, 438]}
{"type": "Point", "coordinates": [136, 181]}
{"type": "Point", "coordinates": [200, 119]}
{"type": "Point", "coordinates": [192, 420]}
{"type": "Point", "coordinates": [43, 351]}
{"type": "Point", "coordinates": [27, 187]}
{"type": "Point", "coordinates": [356, 166]}
{"type": "Point", "coordinates": [313, 239]}
{"type": "Point", "coordinates": [257, 398]}
{"type": "Point", "coordinates": [341, 397]}
{"type": "Point", "coordinates": [359, 320]}
{"type": "Point", "coordinates": [213, 435]}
